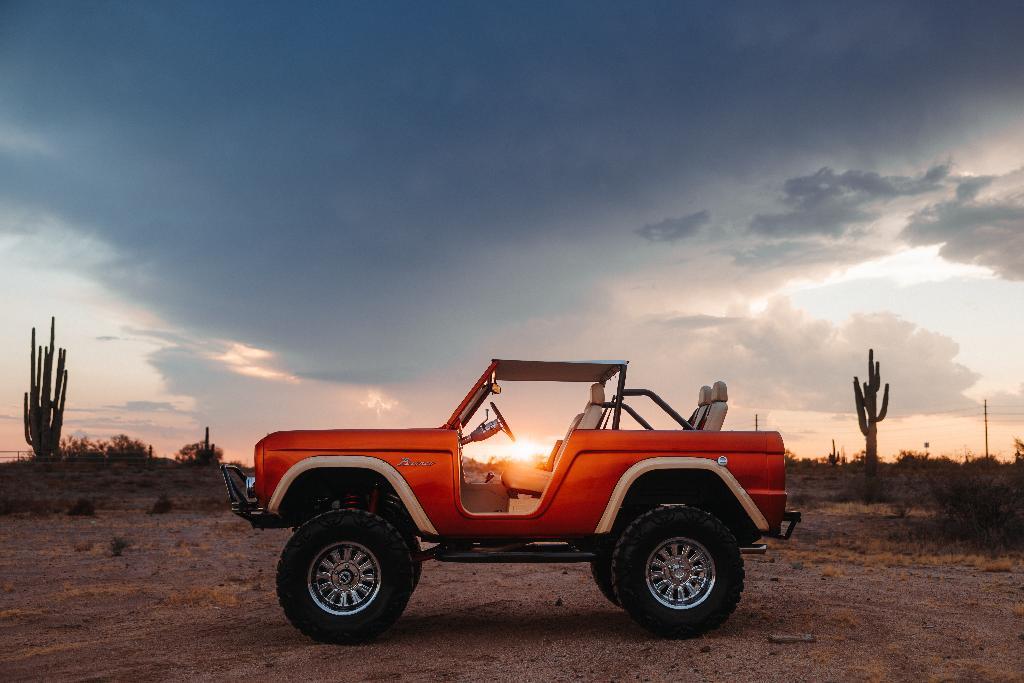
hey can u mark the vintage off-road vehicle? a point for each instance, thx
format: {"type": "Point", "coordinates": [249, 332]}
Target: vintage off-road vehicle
{"type": "Point", "coordinates": [662, 516]}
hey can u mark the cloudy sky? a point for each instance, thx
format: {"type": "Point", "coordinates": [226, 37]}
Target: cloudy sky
{"type": "Point", "coordinates": [259, 217]}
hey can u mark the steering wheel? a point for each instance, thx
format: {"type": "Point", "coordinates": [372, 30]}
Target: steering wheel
{"type": "Point", "coordinates": [501, 421]}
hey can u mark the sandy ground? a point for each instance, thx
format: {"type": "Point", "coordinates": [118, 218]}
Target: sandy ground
{"type": "Point", "coordinates": [192, 597]}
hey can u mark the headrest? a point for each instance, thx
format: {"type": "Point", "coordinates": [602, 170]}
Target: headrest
{"type": "Point", "coordinates": [719, 392]}
{"type": "Point", "coordinates": [597, 393]}
{"type": "Point", "coordinates": [704, 397]}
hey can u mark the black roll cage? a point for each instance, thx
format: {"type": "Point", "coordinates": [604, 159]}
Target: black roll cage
{"type": "Point", "coordinates": [617, 404]}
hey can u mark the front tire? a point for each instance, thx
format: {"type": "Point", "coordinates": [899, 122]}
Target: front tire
{"type": "Point", "coordinates": [678, 571]}
{"type": "Point", "coordinates": [345, 576]}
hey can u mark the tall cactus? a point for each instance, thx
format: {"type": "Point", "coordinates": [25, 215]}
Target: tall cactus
{"type": "Point", "coordinates": [868, 413]}
{"type": "Point", "coordinates": [44, 411]}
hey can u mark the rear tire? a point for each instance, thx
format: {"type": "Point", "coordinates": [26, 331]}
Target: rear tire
{"type": "Point", "coordinates": [345, 576]}
{"type": "Point", "coordinates": [601, 570]}
{"type": "Point", "coordinates": [678, 571]}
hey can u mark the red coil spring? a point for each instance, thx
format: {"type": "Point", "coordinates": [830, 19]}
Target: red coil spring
{"type": "Point", "coordinates": [352, 500]}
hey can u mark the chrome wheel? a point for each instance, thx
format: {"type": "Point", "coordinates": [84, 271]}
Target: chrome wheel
{"type": "Point", "coordinates": [680, 573]}
{"type": "Point", "coordinates": [344, 578]}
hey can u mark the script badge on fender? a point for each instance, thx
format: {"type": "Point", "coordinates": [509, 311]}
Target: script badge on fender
{"type": "Point", "coordinates": [406, 462]}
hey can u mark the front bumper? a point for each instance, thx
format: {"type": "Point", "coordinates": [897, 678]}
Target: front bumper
{"type": "Point", "coordinates": [243, 503]}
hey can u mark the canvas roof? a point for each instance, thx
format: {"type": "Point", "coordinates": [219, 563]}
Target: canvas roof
{"type": "Point", "coordinates": [556, 371]}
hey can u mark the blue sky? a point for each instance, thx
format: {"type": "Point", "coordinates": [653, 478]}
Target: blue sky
{"type": "Point", "coordinates": [262, 216]}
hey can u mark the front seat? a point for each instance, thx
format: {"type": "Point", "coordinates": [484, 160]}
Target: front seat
{"type": "Point", "coordinates": [521, 478]}
{"type": "Point", "coordinates": [703, 405]}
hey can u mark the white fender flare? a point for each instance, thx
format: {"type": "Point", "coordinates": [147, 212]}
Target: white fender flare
{"type": "Point", "coordinates": [604, 525]}
{"type": "Point", "coordinates": [385, 469]}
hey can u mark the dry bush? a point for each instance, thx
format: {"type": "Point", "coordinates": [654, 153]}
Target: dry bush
{"type": "Point", "coordinates": [162, 506]}
{"type": "Point", "coordinates": [82, 546]}
{"type": "Point", "coordinates": [83, 507]}
{"type": "Point", "coordinates": [983, 507]}
{"type": "Point", "coordinates": [1018, 609]}
{"type": "Point", "coordinates": [998, 564]}
{"type": "Point", "coordinates": [859, 489]}
{"type": "Point", "coordinates": [118, 545]}
{"type": "Point", "coordinates": [32, 506]}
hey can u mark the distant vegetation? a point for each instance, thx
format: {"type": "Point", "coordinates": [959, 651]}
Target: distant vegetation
{"type": "Point", "coordinates": [976, 503]}
{"type": "Point", "coordinates": [120, 448]}
{"type": "Point", "coordinates": [200, 453]}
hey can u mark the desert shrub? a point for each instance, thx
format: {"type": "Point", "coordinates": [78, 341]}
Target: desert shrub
{"type": "Point", "coordinates": [33, 506]}
{"type": "Point", "coordinates": [124, 448]}
{"type": "Point", "coordinates": [162, 505]}
{"type": "Point", "coordinates": [120, 448]}
{"type": "Point", "coordinates": [982, 507]}
{"type": "Point", "coordinates": [198, 454]}
{"type": "Point", "coordinates": [83, 507]}
{"type": "Point", "coordinates": [912, 458]}
{"type": "Point", "coordinates": [858, 489]}
{"type": "Point", "coordinates": [83, 449]}
{"type": "Point", "coordinates": [118, 545]}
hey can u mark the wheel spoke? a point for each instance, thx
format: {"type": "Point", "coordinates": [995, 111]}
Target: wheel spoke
{"type": "Point", "coordinates": [680, 573]}
{"type": "Point", "coordinates": [344, 578]}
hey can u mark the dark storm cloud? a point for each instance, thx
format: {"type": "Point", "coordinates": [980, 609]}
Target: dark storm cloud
{"type": "Point", "coordinates": [355, 186]}
{"type": "Point", "coordinates": [982, 231]}
{"type": "Point", "coordinates": [828, 203]}
{"type": "Point", "coordinates": [672, 229]}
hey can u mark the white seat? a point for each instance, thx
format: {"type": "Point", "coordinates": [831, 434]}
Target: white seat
{"type": "Point", "coordinates": [520, 478]}
{"type": "Point", "coordinates": [594, 411]}
{"type": "Point", "coordinates": [718, 408]}
{"type": "Point", "coordinates": [703, 404]}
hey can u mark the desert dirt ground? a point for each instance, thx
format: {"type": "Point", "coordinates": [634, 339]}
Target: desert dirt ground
{"type": "Point", "coordinates": [191, 597]}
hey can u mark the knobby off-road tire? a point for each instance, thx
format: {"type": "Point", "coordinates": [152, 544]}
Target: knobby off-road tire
{"type": "Point", "coordinates": [601, 570]}
{"type": "Point", "coordinates": [346, 548]}
{"type": "Point", "coordinates": [663, 549]}
{"type": "Point", "coordinates": [417, 567]}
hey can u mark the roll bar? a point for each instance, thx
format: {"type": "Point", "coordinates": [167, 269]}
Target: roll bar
{"type": "Point", "coordinates": [618, 404]}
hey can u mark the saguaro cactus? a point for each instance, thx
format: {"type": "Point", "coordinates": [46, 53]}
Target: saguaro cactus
{"type": "Point", "coordinates": [868, 413]}
{"type": "Point", "coordinates": [44, 411]}
{"type": "Point", "coordinates": [207, 452]}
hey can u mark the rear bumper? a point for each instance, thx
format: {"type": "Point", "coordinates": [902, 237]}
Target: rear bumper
{"type": "Point", "coordinates": [242, 504]}
{"type": "Point", "coordinates": [791, 516]}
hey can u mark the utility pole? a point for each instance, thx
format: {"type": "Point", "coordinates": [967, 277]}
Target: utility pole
{"type": "Point", "coordinates": [755, 423]}
{"type": "Point", "coordinates": [986, 429]}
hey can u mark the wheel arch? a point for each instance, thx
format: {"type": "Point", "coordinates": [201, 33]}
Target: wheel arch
{"type": "Point", "coordinates": [698, 482]}
{"type": "Point", "coordinates": [322, 472]}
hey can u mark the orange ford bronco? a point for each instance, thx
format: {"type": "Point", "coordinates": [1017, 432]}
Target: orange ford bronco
{"type": "Point", "coordinates": [662, 516]}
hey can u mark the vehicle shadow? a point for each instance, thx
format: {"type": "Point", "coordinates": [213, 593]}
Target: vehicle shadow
{"type": "Point", "coordinates": [526, 629]}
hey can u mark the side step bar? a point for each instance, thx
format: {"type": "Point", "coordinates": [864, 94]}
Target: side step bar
{"type": "Point", "coordinates": [555, 552]}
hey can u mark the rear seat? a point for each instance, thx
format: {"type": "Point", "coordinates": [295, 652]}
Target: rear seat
{"type": "Point", "coordinates": [718, 408]}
